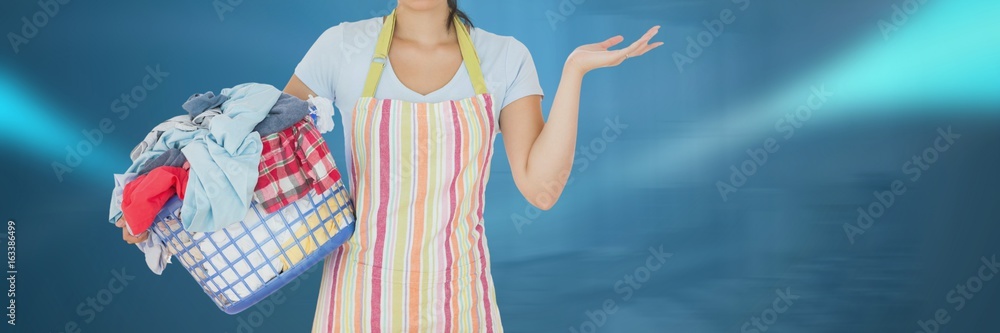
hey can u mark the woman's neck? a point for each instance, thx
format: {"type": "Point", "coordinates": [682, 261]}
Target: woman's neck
{"type": "Point", "coordinates": [426, 27]}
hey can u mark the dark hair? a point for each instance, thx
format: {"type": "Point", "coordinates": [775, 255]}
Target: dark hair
{"type": "Point", "coordinates": [453, 4]}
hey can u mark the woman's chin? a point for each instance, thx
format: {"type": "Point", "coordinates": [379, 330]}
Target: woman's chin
{"type": "Point", "coordinates": [422, 5]}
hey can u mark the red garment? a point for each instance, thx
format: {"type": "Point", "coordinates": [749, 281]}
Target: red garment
{"type": "Point", "coordinates": [293, 162]}
{"type": "Point", "coordinates": [145, 196]}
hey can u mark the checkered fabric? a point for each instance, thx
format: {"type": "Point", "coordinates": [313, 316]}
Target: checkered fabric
{"type": "Point", "coordinates": [293, 162]}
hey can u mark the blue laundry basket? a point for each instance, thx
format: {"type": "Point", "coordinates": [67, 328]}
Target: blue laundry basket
{"type": "Point", "coordinates": [246, 262]}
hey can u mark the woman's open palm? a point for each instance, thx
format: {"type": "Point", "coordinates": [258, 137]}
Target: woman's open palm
{"type": "Point", "coordinates": [592, 56]}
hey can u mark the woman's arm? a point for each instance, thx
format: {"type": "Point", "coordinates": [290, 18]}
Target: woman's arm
{"type": "Point", "coordinates": [541, 153]}
{"type": "Point", "coordinates": [296, 88]}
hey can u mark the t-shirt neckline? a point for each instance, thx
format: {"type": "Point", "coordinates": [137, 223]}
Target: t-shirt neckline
{"type": "Point", "coordinates": [439, 90]}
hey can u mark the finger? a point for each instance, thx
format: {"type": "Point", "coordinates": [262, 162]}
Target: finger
{"type": "Point", "coordinates": [610, 42]}
{"type": "Point", "coordinates": [638, 44]}
{"type": "Point", "coordinates": [127, 237]}
{"type": "Point", "coordinates": [646, 37]}
{"type": "Point", "coordinates": [134, 239]}
{"type": "Point", "coordinates": [646, 49]}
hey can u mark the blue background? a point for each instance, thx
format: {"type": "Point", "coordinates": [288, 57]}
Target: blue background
{"type": "Point", "coordinates": [655, 184]}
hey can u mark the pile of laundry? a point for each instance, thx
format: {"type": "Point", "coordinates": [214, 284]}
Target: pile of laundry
{"type": "Point", "coordinates": [239, 156]}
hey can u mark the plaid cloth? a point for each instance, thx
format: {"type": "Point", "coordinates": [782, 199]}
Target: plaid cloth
{"type": "Point", "coordinates": [293, 162]}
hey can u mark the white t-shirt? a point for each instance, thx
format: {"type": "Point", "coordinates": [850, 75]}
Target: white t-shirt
{"type": "Point", "coordinates": [336, 67]}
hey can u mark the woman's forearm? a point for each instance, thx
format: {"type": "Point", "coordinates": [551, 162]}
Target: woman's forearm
{"type": "Point", "coordinates": [547, 164]}
{"type": "Point", "coordinates": [551, 157]}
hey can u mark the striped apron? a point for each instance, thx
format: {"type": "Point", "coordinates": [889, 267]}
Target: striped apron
{"type": "Point", "coordinates": [418, 261]}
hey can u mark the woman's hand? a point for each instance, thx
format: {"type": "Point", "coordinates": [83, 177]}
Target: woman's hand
{"type": "Point", "coordinates": [127, 236]}
{"type": "Point", "coordinates": [592, 56]}
{"type": "Point", "coordinates": [541, 151]}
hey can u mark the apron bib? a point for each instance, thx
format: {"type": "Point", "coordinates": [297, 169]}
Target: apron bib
{"type": "Point", "coordinates": [418, 261]}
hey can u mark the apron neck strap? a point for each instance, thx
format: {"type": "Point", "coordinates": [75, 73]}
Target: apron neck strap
{"type": "Point", "coordinates": [381, 56]}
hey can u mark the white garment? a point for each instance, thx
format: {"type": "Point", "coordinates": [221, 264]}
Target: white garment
{"type": "Point", "coordinates": [204, 119]}
{"type": "Point", "coordinates": [117, 193]}
{"type": "Point", "coordinates": [322, 111]}
{"type": "Point", "coordinates": [337, 64]}
{"type": "Point", "coordinates": [157, 253]}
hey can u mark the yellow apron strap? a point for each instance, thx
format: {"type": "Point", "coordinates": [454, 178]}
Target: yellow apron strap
{"type": "Point", "coordinates": [381, 56]}
{"type": "Point", "coordinates": [470, 57]}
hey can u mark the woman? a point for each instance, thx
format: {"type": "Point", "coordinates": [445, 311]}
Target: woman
{"type": "Point", "coordinates": [420, 119]}
{"type": "Point", "coordinates": [419, 122]}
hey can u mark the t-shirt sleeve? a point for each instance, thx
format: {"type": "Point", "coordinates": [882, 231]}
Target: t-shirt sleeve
{"type": "Point", "coordinates": [319, 68]}
{"type": "Point", "coordinates": [522, 77]}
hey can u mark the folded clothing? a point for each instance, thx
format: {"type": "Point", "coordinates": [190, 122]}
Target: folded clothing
{"type": "Point", "coordinates": [293, 162]}
{"type": "Point", "coordinates": [144, 196]}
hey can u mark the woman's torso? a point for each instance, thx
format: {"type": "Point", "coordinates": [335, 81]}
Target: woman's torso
{"type": "Point", "coordinates": [418, 259]}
